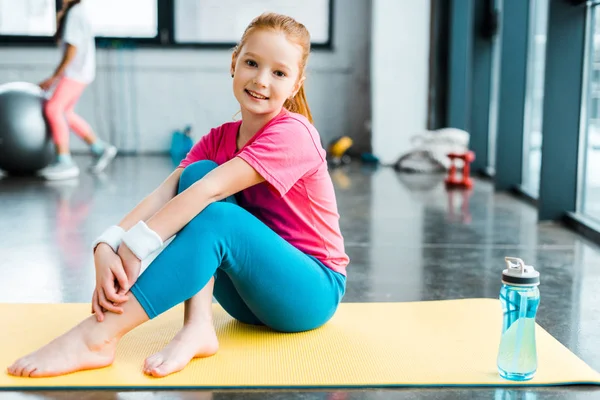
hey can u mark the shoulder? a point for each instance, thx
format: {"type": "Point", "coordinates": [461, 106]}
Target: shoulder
{"type": "Point", "coordinates": [77, 11]}
{"type": "Point", "coordinates": [295, 126]}
{"type": "Point", "coordinates": [294, 132]}
{"type": "Point", "coordinates": [290, 120]}
{"type": "Point", "coordinates": [78, 14]}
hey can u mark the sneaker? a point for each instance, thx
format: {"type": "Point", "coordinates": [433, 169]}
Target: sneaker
{"type": "Point", "coordinates": [59, 171]}
{"type": "Point", "coordinates": [104, 159]}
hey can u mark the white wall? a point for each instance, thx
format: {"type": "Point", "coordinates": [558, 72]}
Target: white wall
{"type": "Point", "coordinates": [140, 96]}
{"type": "Point", "coordinates": [399, 74]}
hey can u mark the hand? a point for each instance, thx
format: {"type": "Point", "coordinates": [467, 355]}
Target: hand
{"type": "Point", "coordinates": [47, 84]}
{"type": "Point", "coordinates": [111, 282]}
{"type": "Point", "coordinates": [131, 264]}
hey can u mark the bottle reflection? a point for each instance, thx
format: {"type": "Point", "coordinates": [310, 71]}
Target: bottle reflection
{"type": "Point", "coordinates": [514, 394]}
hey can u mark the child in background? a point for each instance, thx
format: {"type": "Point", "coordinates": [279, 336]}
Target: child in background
{"type": "Point", "coordinates": [272, 255]}
{"type": "Point", "coordinates": [74, 73]}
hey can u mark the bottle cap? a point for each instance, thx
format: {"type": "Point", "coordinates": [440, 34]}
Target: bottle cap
{"type": "Point", "coordinates": [519, 274]}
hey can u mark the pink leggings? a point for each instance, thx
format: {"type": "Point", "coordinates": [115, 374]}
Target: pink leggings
{"type": "Point", "coordinates": [60, 112]}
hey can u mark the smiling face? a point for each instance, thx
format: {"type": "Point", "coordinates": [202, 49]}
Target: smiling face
{"type": "Point", "coordinates": [266, 72]}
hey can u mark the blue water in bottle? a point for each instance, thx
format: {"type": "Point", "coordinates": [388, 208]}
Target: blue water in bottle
{"type": "Point", "coordinates": [520, 298]}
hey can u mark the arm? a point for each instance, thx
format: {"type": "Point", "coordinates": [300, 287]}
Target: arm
{"type": "Point", "coordinates": [109, 266]}
{"type": "Point", "coordinates": [153, 202]}
{"type": "Point", "coordinates": [168, 189]}
{"type": "Point", "coordinates": [150, 204]}
{"type": "Point", "coordinates": [67, 57]}
{"type": "Point", "coordinates": [225, 180]}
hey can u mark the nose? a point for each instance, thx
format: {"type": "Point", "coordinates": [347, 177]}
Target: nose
{"type": "Point", "coordinates": [262, 78]}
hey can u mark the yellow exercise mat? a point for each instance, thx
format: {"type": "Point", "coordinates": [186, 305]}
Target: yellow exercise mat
{"type": "Point", "coordinates": [434, 343]}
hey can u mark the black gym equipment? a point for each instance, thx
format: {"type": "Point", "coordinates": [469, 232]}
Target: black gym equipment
{"type": "Point", "coordinates": [26, 144]}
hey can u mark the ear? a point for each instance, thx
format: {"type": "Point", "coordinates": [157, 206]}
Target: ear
{"type": "Point", "coordinates": [233, 61]}
{"type": "Point", "coordinates": [298, 85]}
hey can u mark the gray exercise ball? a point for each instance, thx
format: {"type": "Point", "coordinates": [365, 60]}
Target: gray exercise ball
{"type": "Point", "coordinates": [26, 144]}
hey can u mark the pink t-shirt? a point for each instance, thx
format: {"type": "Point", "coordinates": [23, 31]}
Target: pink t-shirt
{"type": "Point", "coordinates": [297, 199]}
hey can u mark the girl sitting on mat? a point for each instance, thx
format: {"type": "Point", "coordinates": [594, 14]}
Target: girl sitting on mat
{"type": "Point", "coordinates": [272, 255]}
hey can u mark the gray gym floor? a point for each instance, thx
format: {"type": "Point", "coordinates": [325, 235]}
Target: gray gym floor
{"type": "Point", "coordinates": [407, 238]}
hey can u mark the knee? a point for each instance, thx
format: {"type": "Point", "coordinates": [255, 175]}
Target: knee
{"type": "Point", "coordinates": [219, 216]}
{"type": "Point", "coordinates": [194, 172]}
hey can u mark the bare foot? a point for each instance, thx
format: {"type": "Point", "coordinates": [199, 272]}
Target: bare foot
{"type": "Point", "coordinates": [76, 350]}
{"type": "Point", "coordinates": [192, 341]}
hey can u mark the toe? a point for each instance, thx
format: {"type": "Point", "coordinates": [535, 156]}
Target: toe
{"type": "Point", "coordinates": [164, 369]}
{"type": "Point", "coordinates": [157, 370]}
{"type": "Point", "coordinates": [28, 369]}
{"type": "Point", "coordinates": [152, 362]}
{"type": "Point", "coordinates": [38, 372]}
{"type": "Point", "coordinates": [152, 359]}
{"type": "Point", "coordinates": [17, 367]}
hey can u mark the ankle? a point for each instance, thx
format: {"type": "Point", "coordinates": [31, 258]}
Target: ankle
{"type": "Point", "coordinates": [198, 321]}
{"type": "Point", "coordinates": [96, 335]}
{"type": "Point", "coordinates": [99, 345]}
{"type": "Point", "coordinates": [65, 159]}
{"type": "Point", "coordinates": [98, 147]}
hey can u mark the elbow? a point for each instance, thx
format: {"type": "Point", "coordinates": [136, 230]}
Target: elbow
{"type": "Point", "coordinates": [71, 50]}
{"type": "Point", "coordinates": [69, 54]}
{"type": "Point", "coordinates": [211, 191]}
{"type": "Point", "coordinates": [216, 193]}
{"type": "Point", "coordinates": [205, 189]}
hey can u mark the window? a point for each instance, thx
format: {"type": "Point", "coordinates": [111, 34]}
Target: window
{"type": "Point", "coordinates": [494, 94]}
{"type": "Point", "coordinates": [110, 18]}
{"type": "Point", "coordinates": [27, 17]}
{"type": "Point", "coordinates": [534, 97]}
{"type": "Point", "coordinates": [224, 21]}
{"type": "Point", "coordinates": [162, 23]}
{"type": "Point", "coordinates": [589, 155]}
{"type": "Point", "coordinates": [123, 19]}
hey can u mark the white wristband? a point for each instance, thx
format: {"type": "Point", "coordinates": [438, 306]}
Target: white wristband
{"type": "Point", "coordinates": [112, 237]}
{"type": "Point", "coordinates": [142, 241]}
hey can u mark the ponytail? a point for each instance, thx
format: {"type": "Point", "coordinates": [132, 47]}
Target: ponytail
{"type": "Point", "coordinates": [61, 18]}
{"type": "Point", "coordinates": [298, 104]}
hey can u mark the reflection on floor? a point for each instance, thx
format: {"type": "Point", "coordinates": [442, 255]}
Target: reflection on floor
{"type": "Point", "coordinates": [407, 237]}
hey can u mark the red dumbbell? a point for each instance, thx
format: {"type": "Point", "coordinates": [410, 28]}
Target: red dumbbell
{"type": "Point", "coordinates": [465, 181]}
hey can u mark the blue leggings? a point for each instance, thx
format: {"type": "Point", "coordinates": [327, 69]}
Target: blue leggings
{"type": "Point", "coordinates": [260, 278]}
